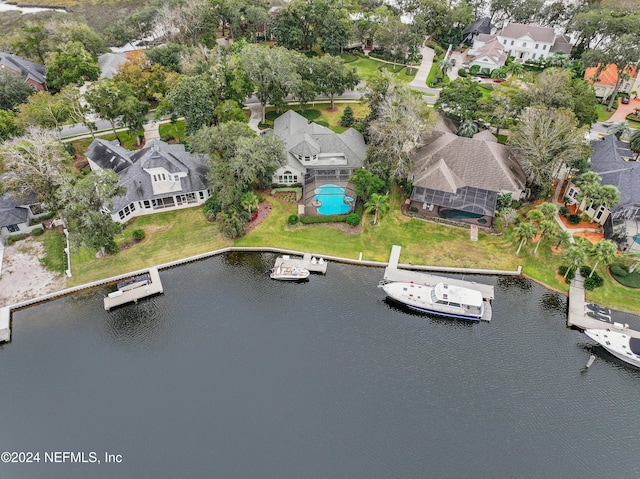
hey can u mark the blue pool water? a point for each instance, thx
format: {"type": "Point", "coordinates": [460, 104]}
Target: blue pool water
{"type": "Point", "coordinates": [636, 238]}
{"type": "Point", "coordinates": [332, 199]}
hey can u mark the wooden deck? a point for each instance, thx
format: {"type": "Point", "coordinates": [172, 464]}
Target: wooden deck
{"type": "Point", "coordinates": [133, 295]}
{"type": "Point", "coordinates": [577, 316]}
{"type": "Point", "coordinates": [305, 262]}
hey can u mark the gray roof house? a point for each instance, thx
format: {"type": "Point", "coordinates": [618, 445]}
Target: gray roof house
{"type": "Point", "coordinates": [33, 73]}
{"type": "Point", "coordinates": [460, 178]}
{"type": "Point", "coordinates": [158, 177]}
{"type": "Point", "coordinates": [470, 33]}
{"type": "Point", "coordinates": [109, 63]}
{"type": "Point", "coordinates": [316, 155]}
{"type": "Point", "coordinates": [16, 214]}
{"type": "Point", "coordinates": [615, 163]}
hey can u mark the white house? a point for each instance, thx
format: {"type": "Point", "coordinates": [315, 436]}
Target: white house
{"type": "Point", "coordinates": [488, 52]}
{"type": "Point", "coordinates": [532, 42]}
{"type": "Point", "coordinates": [158, 177]}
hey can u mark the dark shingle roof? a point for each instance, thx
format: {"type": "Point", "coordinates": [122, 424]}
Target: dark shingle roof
{"type": "Point", "coordinates": [479, 26]}
{"type": "Point", "coordinates": [608, 161]}
{"type": "Point", "coordinates": [108, 155]}
{"type": "Point", "coordinates": [28, 70]}
{"type": "Point", "coordinates": [11, 212]}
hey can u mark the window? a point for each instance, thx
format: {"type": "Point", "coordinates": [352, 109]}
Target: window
{"type": "Point", "coordinates": [121, 214]}
{"type": "Point", "coordinates": [201, 195]}
{"type": "Point", "coordinates": [164, 178]}
{"type": "Point", "coordinates": [524, 44]}
{"type": "Point", "coordinates": [504, 41]}
{"type": "Point", "coordinates": [13, 228]}
{"type": "Point", "coordinates": [534, 56]}
{"type": "Point", "coordinates": [544, 47]}
{"type": "Point", "coordinates": [511, 42]}
{"type": "Point", "coordinates": [600, 212]}
{"type": "Point", "coordinates": [155, 178]}
{"type": "Point", "coordinates": [176, 178]}
{"type": "Point", "coordinates": [537, 45]}
{"type": "Point", "coordinates": [133, 206]}
{"type": "Point", "coordinates": [146, 203]}
{"type": "Point", "coordinates": [287, 177]}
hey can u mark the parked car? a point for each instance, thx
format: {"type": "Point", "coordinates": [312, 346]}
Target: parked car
{"type": "Point", "coordinates": [607, 124]}
{"type": "Point", "coordinates": [499, 80]}
{"type": "Point", "coordinates": [625, 100]}
{"type": "Point", "coordinates": [476, 79]}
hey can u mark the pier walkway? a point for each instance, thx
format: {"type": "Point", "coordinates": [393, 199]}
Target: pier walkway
{"type": "Point", "coordinates": [119, 298]}
{"type": "Point", "coordinates": [577, 316]}
{"type": "Point", "coordinates": [306, 262]}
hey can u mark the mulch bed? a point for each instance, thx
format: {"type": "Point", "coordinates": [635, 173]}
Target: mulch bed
{"type": "Point", "coordinates": [582, 224]}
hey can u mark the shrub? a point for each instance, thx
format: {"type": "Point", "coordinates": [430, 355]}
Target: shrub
{"type": "Point", "coordinates": [353, 219]}
{"type": "Point", "coordinates": [617, 270]}
{"type": "Point", "coordinates": [594, 282]}
{"type": "Point", "coordinates": [347, 118]}
{"type": "Point", "coordinates": [585, 271]}
{"type": "Point", "coordinates": [574, 219]}
{"type": "Point", "coordinates": [462, 73]}
{"type": "Point", "coordinates": [292, 219]}
{"type": "Point", "coordinates": [138, 234]}
{"type": "Point", "coordinates": [37, 232]}
{"type": "Point", "coordinates": [564, 211]}
{"type": "Point", "coordinates": [485, 71]}
{"type": "Point", "coordinates": [213, 205]}
{"type": "Point", "coordinates": [474, 69]}
{"type": "Point", "coordinates": [572, 273]}
{"type": "Point", "coordinates": [14, 238]}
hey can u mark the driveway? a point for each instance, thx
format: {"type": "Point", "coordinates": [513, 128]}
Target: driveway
{"type": "Point", "coordinates": [623, 110]}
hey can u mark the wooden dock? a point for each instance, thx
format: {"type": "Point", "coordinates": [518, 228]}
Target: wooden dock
{"type": "Point", "coordinates": [577, 316]}
{"type": "Point", "coordinates": [5, 324]}
{"type": "Point", "coordinates": [393, 273]}
{"type": "Point", "coordinates": [307, 262]}
{"type": "Point", "coordinates": [120, 298]}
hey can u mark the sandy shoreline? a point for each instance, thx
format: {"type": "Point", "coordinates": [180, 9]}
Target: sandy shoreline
{"type": "Point", "coordinates": [24, 276]}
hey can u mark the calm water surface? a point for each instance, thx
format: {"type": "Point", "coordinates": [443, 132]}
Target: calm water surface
{"type": "Point", "coordinates": [232, 375]}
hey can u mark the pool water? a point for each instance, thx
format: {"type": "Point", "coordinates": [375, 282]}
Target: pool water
{"type": "Point", "coordinates": [636, 238]}
{"type": "Point", "coordinates": [332, 199]}
{"type": "Point", "coordinates": [458, 214]}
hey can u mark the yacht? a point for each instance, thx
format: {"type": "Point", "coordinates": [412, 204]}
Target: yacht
{"type": "Point", "coordinates": [621, 345]}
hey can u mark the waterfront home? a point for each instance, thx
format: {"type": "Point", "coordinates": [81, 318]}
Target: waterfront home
{"type": "Point", "coordinates": [615, 163]}
{"type": "Point", "coordinates": [460, 178]}
{"type": "Point", "coordinates": [16, 216]}
{"type": "Point", "coordinates": [33, 73]}
{"type": "Point", "coordinates": [471, 32]}
{"type": "Point", "coordinates": [605, 80]}
{"type": "Point", "coordinates": [316, 155]}
{"type": "Point", "coordinates": [158, 177]}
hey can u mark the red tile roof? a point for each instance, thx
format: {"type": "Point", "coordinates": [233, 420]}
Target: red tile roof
{"type": "Point", "coordinates": [608, 76]}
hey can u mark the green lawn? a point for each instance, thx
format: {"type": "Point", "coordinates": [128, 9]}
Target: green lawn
{"type": "Point", "coordinates": [603, 114]}
{"type": "Point", "coordinates": [168, 131]}
{"type": "Point", "coordinates": [326, 115]}
{"type": "Point", "coordinates": [54, 244]}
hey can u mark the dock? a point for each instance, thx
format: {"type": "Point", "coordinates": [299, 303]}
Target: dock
{"type": "Point", "coordinates": [393, 273]}
{"type": "Point", "coordinates": [5, 324]}
{"type": "Point", "coordinates": [121, 297]}
{"type": "Point", "coordinates": [578, 318]}
{"type": "Point", "coordinates": [307, 262]}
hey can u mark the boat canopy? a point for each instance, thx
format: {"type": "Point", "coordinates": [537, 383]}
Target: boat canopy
{"type": "Point", "coordinates": [634, 345]}
{"type": "Point", "coordinates": [458, 294]}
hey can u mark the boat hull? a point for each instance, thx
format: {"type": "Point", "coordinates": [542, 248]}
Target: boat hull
{"type": "Point", "coordinates": [616, 343]}
{"type": "Point", "coordinates": [433, 311]}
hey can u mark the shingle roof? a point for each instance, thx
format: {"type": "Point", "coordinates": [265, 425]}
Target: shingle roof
{"type": "Point", "coordinates": [28, 70]}
{"type": "Point", "coordinates": [294, 130]}
{"type": "Point", "coordinates": [11, 212]}
{"type": "Point", "coordinates": [607, 160]}
{"type": "Point", "coordinates": [155, 154]}
{"type": "Point", "coordinates": [448, 162]}
{"type": "Point", "coordinates": [108, 154]}
{"type": "Point", "coordinates": [536, 32]}
{"type": "Point", "coordinates": [492, 49]}
{"type": "Point", "coordinates": [109, 63]}
{"type": "Point", "coordinates": [479, 26]}
{"type": "Point", "coordinates": [561, 44]}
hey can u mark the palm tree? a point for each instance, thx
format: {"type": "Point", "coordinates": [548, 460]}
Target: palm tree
{"type": "Point", "coordinates": [634, 143]}
{"type": "Point", "coordinates": [547, 228]}
{"type": "Point", "coordinates": [563, 237]}
{"type": "Point", "coordinates": [549, 210]}
{"type": "Point", "coordinates": [378, 204]}
{"type": "Point", "coordinates": [574, 255]}
{"type": "Point", "coordinates": [620, 129]}
{"type": "Point", "coordinates": [524, 232]}
{"type": "Point", "coordinates": [467, 128]}
{"type": "Point", "coordinates": [249, 201]}
{"type": "Point", "coordinates": [445, 65]}
{"type": "Point", "coordinates": [605, 251]}
{"type": "Point", "coordinates": [515, 68]}
{"type": "Point", "coordinates": [535, 215]}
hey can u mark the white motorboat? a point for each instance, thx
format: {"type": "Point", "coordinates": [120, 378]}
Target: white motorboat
{"type": "Point", "coordinates": [289, 273]}
{"type": "Point", "coordinates": [618, 343]}
{"type": "Point", "coordinates": [443, 299]}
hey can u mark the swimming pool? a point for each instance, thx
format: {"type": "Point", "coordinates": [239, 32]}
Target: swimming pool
{"type": "Point", "coordinates": [636, 238]}
{"type": "Point", "coordinates": [332, 200]}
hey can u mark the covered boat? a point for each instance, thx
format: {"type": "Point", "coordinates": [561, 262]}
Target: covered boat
{"type": "Point", "coordinates": [443, 299]}
{"type": "Point", "coordinates": [621, 345]}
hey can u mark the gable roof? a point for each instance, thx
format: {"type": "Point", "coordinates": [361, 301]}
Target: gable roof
{"type": "Point", "coordinates": [307, 139]}
{"type": "Point", "coordinates": [155, 154]}
{"type": "Point", "coordinates": [607, 159]}
{"type": "Point", "coordinates": [608, 75]}
{"type": "Point", "coordinates": [493, 49]}
{"type": "Point", "coordinates": [448, 162]}
{"type": "Point", "coordinates": [562, 44]}
{"type": "Point", "coordinates": [13, 211]}
{"type": "Point", "coordinates": [109, 63]}
{"type": "Point", "coordinates": [108, 154]}
{"type": "Point", "coordinates": [535, 32]}
{"type": "Point", "coordinates": [28, 70]}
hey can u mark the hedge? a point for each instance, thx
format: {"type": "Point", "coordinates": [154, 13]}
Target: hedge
{"type": "Point", "coordinates": [617, 270]}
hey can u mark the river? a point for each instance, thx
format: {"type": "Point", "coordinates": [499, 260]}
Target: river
{"type": "Point", "coordinates": [7, 7]}
{"type": "Point", "coordinates": [232, 375]}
